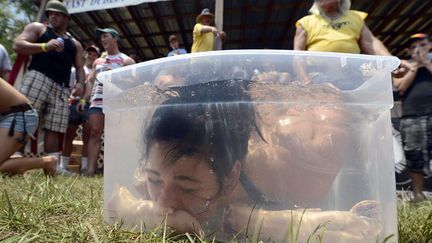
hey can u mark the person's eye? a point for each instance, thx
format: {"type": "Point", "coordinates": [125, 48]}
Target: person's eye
{"type": "Point", "coordinates": [154, 181]}
{"type": "Point", "coordinates": [188, 190]}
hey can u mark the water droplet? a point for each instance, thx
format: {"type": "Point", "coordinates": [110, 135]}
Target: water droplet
{"type": "Point", "coordinates": [211, 159]}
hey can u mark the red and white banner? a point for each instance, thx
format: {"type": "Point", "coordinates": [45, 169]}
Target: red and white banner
{"type": "Point", "coordinates": [78, 6]}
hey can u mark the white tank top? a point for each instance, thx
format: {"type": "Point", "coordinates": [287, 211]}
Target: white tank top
{"type": "Point", "coordinates": [104, 64]}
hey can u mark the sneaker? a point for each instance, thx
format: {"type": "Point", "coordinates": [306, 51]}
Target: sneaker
{"type": "Point", "coordinates": [64, 172]}
{"type": "Point", "coordinates": [84, 172]}
{"type": "Point", "coordinates": [16, 155]}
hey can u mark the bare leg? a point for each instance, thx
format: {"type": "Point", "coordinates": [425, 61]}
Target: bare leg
{"type": "Point", "coordinates": [52, 141]}
{"type": "Point", "coordinates": [69, 137]}
{"type": "Point", "coordinates": [94, 143]}
{"type": "Point", "coordinates": [9, 145]}
{"type": "Point", "coordinates": [85, 138]}
{"type": "Point", "coordinates": [21, 165]}
{"type": "Point", "coordinates": [417, 185]}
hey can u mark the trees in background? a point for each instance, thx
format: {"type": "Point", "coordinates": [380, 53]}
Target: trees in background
{"type": "Point", "coordinates": [14, 15]}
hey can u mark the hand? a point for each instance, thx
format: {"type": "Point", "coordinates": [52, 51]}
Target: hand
{"type": "Point", "coordinates": [402, 69]}
{"type": "Point", "coordinates": [55, 45]}
{"type": "Point", "coordinates": [215, 31]}
{"type": "Point", "coordinates": [222, 35]}
{"type": "Point", "coordinates": [78, 89]}
{"type": "Point", "coordinates": [135, 212]}
{"type": "Point", "coordinates": [334, 226]}
{"type": "Point", "coordinates": [422, 56]}
{"type": "Point", "coordinates": [182, 222]}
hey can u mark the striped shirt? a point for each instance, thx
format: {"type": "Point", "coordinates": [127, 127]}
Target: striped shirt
{"type": "Point", "coordinates": [104, 64]}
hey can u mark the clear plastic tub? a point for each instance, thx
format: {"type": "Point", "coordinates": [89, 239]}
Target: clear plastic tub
{"type": "Point", "coordinates": [277, 145]}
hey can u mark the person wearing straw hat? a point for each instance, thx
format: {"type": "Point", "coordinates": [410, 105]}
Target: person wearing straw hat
{"type": "Point", "coordinates": [204, 32]}
{"type": "Point", "coordinates": [416, 123]}
{"type": "Point", "coordinates": [54, 51]}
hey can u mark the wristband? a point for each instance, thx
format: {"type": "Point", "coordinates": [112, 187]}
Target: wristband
{"type": "Point", "coordinates": [82, 101]}
{"type": "Point", "coordinates": [43, 47]}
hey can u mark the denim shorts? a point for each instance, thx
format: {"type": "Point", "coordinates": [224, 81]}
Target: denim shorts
{"type": "Point", "coordinates": [95, 110]}
{"type": "Point", "coordinates": [29, 118]}
{"type": "Point", "coordinates": [76, 118]}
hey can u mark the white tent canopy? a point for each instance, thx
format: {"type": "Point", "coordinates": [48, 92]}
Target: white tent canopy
{"type": "Point", "coordinates": [78, 6]}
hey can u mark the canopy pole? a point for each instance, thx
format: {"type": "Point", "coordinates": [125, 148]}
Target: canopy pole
{"type": "Point", "coordinates": [41, 14]}
{"type": "Point", "coordinates": [219, 22]}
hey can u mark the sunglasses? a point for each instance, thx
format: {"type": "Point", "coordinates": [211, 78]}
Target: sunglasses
{"type": "Point", "coordinates": [420, 45]}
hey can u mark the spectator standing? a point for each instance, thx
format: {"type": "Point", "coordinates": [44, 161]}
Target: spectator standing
{"type": "Point", "coordinates": [175, 50]}
{"type": "Point", "coordinates": [17, 120]}
{"type": "Point", "coordinates": [46, 84]}
{"type": "Point", "coordinates": [5, 65]}
{"type": "Point", "coordinates": [114, 59]}
{"type": "Point", "coordinates": [333, 27]}
{"type": "Point", "coordinates": [204, 33]}
{"type": "Point", "coordinates": [416, 123]}
{"type": "Point", "coordinates": [79, 117]}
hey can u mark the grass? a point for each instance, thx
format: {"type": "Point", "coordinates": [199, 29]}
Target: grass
{"type": "Point", "coordinates": [69, 209]}
{"type": "Point", "coordinates": [415, 222]}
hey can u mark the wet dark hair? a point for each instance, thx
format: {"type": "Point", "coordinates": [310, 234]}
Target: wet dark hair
{"type": "Point", "coordinates": [213, 120]}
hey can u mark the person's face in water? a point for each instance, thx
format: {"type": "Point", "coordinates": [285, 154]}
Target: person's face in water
{"type": "Point", "coordinates": [187, 184]}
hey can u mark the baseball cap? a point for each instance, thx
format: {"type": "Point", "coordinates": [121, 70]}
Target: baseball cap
{"type": "Point", "coordinates": [93, 48]}
{"type": "Point", "coordinates": [112, 31]}
{"type": "Point", "coordinates": [56, 6]}
{"type": "Point", "coordinates": [416, 37]}
{"type": "Point", "coordinates": [172, 37]}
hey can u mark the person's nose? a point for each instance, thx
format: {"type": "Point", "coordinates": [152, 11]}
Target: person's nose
{"type": "Point", "coordinates": [169, 197]}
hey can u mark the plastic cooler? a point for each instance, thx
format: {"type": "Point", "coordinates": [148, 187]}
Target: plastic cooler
{"type": "Point", "coordinates": [279, 145]}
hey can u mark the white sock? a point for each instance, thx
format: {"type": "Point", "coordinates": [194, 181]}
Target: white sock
{"type": "Point", "coordinates": [57, 155]}
{"type": "Point", "coordinates": [84, 163]}
{"type": "Point", "coordinates": [64, 161]}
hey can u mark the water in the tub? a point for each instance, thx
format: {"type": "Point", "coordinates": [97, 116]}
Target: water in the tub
{"type": "Point", "coordinates": [266, 147]}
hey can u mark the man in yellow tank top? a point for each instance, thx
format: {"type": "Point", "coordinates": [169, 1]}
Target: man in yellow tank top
{"type": "Point", "coordinates": [204, 33]}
